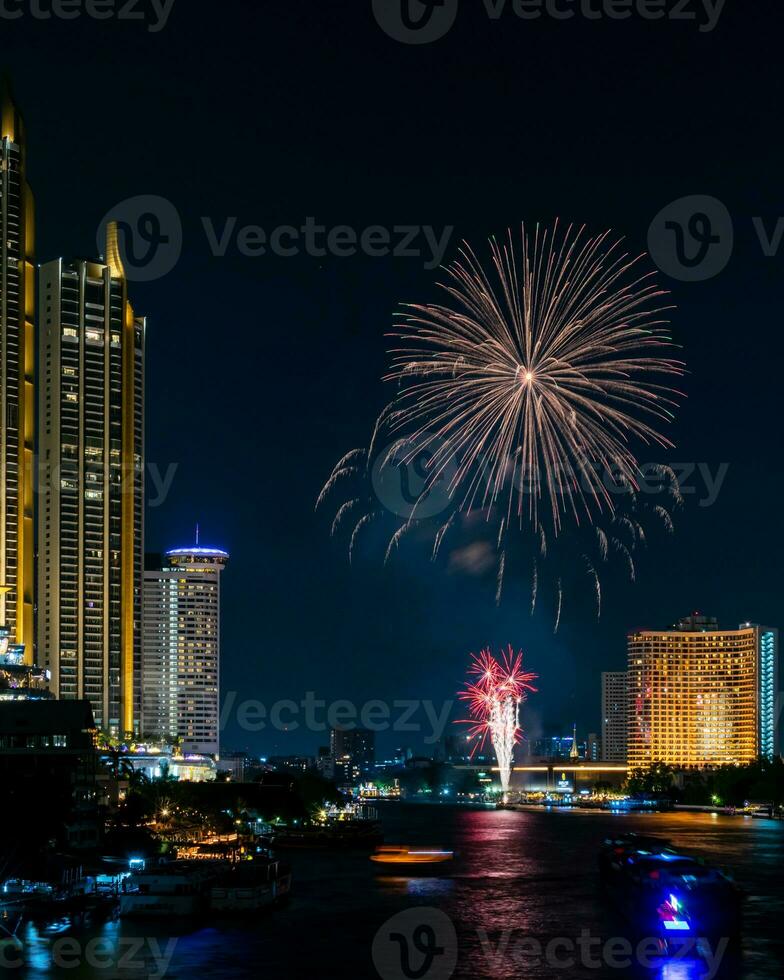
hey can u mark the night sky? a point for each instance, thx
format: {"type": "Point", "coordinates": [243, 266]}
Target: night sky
{"type": "Point", "coordinates": [263, 371]}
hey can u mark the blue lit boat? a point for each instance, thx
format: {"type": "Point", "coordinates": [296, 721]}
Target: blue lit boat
{"type": "Point", "coordinates": [668, 896]}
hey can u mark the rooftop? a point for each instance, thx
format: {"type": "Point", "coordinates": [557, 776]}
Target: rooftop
{"type": "Point", "coordinates": [197, 550]}
{"type": "Point", "coordinates": [45, 717]}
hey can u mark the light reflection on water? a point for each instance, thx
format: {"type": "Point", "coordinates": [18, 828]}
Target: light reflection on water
{"type": "Point", "coordinates": [516, 876]}
{"type": "Point", "coordinates": [683, 970]}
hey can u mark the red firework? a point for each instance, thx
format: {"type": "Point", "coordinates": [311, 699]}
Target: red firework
{"type": "Point", "coordinates": [499, 681]}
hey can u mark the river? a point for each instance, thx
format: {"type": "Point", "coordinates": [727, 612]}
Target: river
{"type": "Point", "coordinates": [519, 879]}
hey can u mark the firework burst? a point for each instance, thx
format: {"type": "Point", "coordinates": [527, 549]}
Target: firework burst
{"type": "Point", "coordinates": [518, 401]}
{"type": "Point", "coordinates": [529, 385]}
{"type": "Point", "coordinates": [495, 690]}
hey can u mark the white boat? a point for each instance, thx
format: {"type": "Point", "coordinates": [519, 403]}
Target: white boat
{"type": "Point", "coordinates": [180, 889]}
{"type": "Point", "coordinates": [250, 886]}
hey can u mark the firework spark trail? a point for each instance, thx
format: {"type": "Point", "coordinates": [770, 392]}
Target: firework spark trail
{"type": "Point", "coordinates": [395, 541]}
{"type": "Point", "coordinates": [365, 519]}
{"type": "Point", "coordinates": [342, 511]}
{"type": "Point", "coordinates": [534, 587]}
{"type": "Point", "coordinates": [500, 583]}
{"type": "Point", "coordinates": [621, 547]}
{"type": "Point", "coordinates": [560, 606]}
{"type": "Point", "coordinates": [665, 516]}
{"type": "Point", "coordinates": [494, 700]}
{"type": "Point", "coordinates": [440, 537]}
{"type": "Point", "coordinates": [338, 472]}
{"type": "Point", "coordinates": [598, 586]}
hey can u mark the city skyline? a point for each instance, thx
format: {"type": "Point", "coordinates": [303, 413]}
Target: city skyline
{"type": "Point", "coordinates": [425, 625]}
{"type": "Point", "coordinates": [389, 488]}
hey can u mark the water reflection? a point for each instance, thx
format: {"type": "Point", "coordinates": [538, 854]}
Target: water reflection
{"type": "Point", "coordinates": [682, 970]}
{"type": "Point", "coordinates": [518, 880]}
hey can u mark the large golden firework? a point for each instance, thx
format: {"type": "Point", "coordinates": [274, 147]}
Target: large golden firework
{"type": "Point", "coordinates": [534, 380]}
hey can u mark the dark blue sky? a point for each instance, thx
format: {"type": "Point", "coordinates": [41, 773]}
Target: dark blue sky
{"type": "Point", "coordinates": [262, 371]}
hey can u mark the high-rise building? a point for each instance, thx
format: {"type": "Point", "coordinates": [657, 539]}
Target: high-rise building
{"type": "Point", "coordinates": [702, 696]}
{"type": "Point", "coordinates": [614, 715]}
{"type": "Point", "coordinates": [452, 749]}
{"type": "Point", "coordinates": [324, 764]}
{"type": "Point", "coordinates": [17, 380]}
{"type": "Point", "coordinates": [91, 506]}
{"type": "Point", "coordinates": [353, 752]}
{"type": "Point", "coordinates": [181, 649]}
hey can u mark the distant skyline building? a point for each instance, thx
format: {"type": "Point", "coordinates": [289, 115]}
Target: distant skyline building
{"type": "Point", "coordinates": [17, 379]}
{"type": "Point", "coordinates": [556, 747]}
{"type": "Point", "coordinates": [455, 749]}
{"type": "Point", "coordinates": [181, 651]}
{"type": "Point", "coordinates": [614, 715]}
{"type": "Point", "coordinates": [91, 507]}
{"type": "Point", "coordinates": [236, 763]}
{"type": "Point", "coordinates": [291, 763]}
{"type": "Point", "coordinates": [574, 752]}
{"type": "Point", "coordinates": [702, 696]}
{"type": "Point", "coordinates": [324, 765]}
{"type": "Point", "coordinates": [353, 753]}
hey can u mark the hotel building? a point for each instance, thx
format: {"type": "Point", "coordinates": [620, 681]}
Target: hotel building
{"type": "Point", "coordinates": [614, 712]}
{"type": "Point", "coordinates": [17, 370]}
{"type": "Point", "coordinates": [181, 649]}
{"type": "Point", "coordinates": [91, 507]}
{"type": "Point", "coordinates": [702, 696]}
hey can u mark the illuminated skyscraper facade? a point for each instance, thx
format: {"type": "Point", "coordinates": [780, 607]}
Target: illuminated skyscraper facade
{"type": "Point", "coordinates": [91, 506]}
{"type": "Point", "coordinates": [702, 696]}
{"type": "Point", "coordinates": [17, 379]}
{"type": "Point", "coordinates": [181, 649]}
{"type": "Point", "coordinates": [614, 715]}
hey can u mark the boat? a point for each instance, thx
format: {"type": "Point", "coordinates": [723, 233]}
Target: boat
{"type": "Point", "coordinates": [632, 805]}
{"type": "Point", "coordinates": [180, 888]}
{"type": "Point", "coordinates": [17, 895]}
{"type": "Point", "coordinates": [399, 859]}
{"type": "Point", "coordinates": [670, 896]}
{"type": "Point", "coordinates": [340, 834]}
{"type": "Point", "coordinates": [250, 886]}
{"type": "Point", "coordinates": [42, 902]}
{"type": "Point", "coordinates": [615, 850]}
